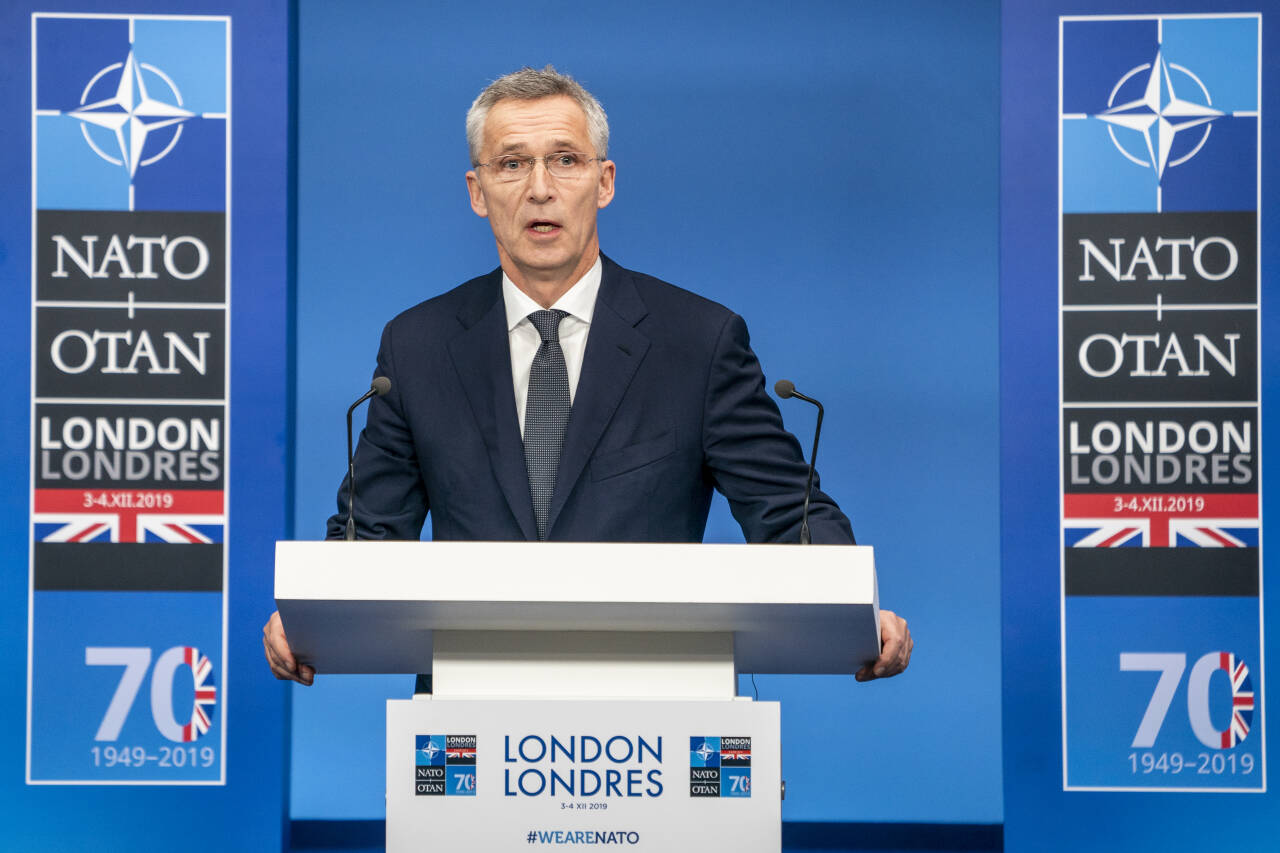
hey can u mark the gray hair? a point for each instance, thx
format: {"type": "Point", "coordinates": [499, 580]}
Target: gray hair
{"type": "Point", "coordinates": [528, 84]}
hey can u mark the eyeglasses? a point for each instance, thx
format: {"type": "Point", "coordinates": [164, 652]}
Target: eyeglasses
{"type": "Point", "coordinates": [567, 165]}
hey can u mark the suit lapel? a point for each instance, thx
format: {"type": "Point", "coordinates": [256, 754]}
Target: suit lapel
{"type": "Point", "coordinates": [482, 358]}
{"type": "Point", "coordinates": [614, 351]}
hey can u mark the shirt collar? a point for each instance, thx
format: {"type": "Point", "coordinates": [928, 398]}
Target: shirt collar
{"type": "Point", "coordinates": [579, 301]}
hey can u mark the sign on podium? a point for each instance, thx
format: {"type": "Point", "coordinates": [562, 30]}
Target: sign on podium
{"type": "Point", "coordinates": [584, 693]}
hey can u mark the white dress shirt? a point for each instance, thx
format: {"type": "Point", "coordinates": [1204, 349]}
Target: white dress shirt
{"type": "Point", "coordinates": [580, 303]}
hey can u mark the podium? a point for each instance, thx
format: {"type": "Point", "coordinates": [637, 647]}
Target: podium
{"type": "Point", "coordinates": [569, 677]}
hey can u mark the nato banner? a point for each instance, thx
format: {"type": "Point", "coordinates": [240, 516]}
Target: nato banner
{"type": "Point", "coordinates": [131, 169]}
{"type": "Point", "coordinates": [1159, 125]}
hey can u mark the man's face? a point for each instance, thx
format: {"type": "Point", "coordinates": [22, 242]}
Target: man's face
{"type": "Point", "coordinates": [545, 227]}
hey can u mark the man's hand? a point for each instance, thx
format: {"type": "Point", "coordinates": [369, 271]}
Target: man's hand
{"type": "Point", "coordinates": [280, 656]}
{"type": "Point", "coordinates": [895, 648]}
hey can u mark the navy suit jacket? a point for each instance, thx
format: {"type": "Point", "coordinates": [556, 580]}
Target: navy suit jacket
{"type": "Point", "coordinates": [670, 404]}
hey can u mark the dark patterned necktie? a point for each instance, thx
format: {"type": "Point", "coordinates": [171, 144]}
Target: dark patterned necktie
{"type": "Point", "coordinates": [546, 412]}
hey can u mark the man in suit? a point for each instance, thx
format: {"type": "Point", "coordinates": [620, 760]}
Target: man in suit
{"type": "Point", "coordinates": [562, 397]}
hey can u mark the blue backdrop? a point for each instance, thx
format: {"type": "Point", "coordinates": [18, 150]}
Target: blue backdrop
{"type": "Point", "coordinates": [246, 812]}
{"type": "Point", "coordinates": [1039, 815]}
{"type": "Point", "coordinates": [827, 170]}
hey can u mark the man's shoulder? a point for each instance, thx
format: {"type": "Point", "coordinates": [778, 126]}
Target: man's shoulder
{"type": "Point", "coordinates": [462, 304]}
{"type": "Point", "coordinates": [663, 296]}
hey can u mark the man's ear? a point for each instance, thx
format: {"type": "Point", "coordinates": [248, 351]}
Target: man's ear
{"type": "Point", "coordinates": [604, 193]}
{"type": "Point", "coordinates": [477, 195]}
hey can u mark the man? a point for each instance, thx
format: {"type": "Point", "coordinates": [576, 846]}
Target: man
{"type": "Point", "coordinates": [561, 397]}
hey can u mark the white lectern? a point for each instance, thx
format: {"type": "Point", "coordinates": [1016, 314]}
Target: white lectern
{"type": "Point", "coordinates": [569, 677]}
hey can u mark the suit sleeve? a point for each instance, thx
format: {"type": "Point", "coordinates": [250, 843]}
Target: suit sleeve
{"type": "Point", "coordinates": [391, 499]}
{"type": "Point", "coordinates": [750, 456]}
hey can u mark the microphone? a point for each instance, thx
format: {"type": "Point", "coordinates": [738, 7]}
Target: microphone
{"type": "Point", "coordinates": [379, 386]}
{"type": "Point", "coordinates": [786, 389]}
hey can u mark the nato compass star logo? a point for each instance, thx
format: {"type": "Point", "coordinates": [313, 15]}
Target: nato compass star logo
{"type": "Point", "coordinates": [430, 750]}
{"type": "Point", "coordinates": [1159, 114]}
{"type": "Point", "coordinates": [1163, 110]}
{"type": "Point", "coordinates": [132, 114]}
{"type": "Point", "coordinates": [704, 752]}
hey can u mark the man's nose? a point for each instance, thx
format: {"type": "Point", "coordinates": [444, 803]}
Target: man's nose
{"type": "Point", "coordinates": [540, 181]}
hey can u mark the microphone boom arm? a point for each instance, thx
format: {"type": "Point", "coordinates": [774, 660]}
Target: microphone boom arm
{"type": "Point", "coordinates": [785, 388]}
{"type": "Point", "coordinates": [377, 388]}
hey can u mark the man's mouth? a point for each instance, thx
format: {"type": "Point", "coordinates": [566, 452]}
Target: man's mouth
{"type": "Point", "coordinates": [544, 227]}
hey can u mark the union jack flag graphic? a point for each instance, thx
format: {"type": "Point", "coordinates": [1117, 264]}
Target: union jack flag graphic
{"type": "Point", "coordinates": [1160, 521]}
{"type": "Point", "coordinates": [206, 694]}
{"type": "Point", "coordinates": [79, 515]}
{"type": "Point", "coordinates": [64, 527]}
{"type": "Point", "coordinates": [1214, 533]}
{"type": "Point", "coordinates": [1106, 533]}
{"type": "Point", "coordinates": [1241, 699]}
{"type": "Point", "coordinates": [180, 529]}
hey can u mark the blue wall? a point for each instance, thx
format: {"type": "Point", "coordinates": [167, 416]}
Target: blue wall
{"type": "Point", "coordinates": [826, 169]}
